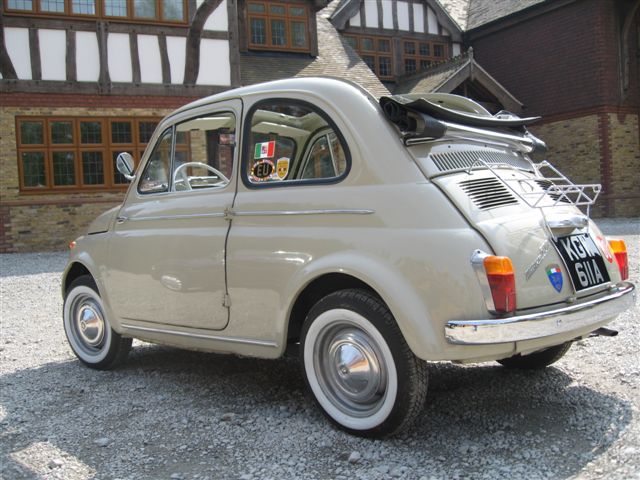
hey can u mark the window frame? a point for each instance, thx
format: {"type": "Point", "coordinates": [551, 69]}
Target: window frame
{"type": "Point", "coordinates": [267, 16]}
{"type": "Point", "coordinates": [417, 57]}
{"type": "Point", "coordinates": [106, 147]}
{"type": "Point", "coordinates": [100, 8]}
{"type": "Point", "coordinates": [376, 53]}
{"type": "Point", "coordinates": [246, 150]}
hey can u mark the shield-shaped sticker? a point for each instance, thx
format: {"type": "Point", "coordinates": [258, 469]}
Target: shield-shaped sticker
{"type": "Point", "coordinates": [282, 168]}
{"type": "Point", "coordinates": [555, 276]}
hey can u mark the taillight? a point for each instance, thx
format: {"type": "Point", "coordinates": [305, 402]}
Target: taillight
{"type": "Point", "coordinates": [619, 249]}
{"type": "Point", "coordinates": [502, 283]}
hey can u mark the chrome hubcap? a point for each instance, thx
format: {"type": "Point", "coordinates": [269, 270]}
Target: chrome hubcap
{"type": "Point", "coordinates": [88, 322]}
{"type": "Point", "coordinates": [350, 369]}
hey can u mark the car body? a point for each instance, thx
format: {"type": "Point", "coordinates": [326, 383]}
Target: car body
{"type": "Point", "coordinates": [374, 235]}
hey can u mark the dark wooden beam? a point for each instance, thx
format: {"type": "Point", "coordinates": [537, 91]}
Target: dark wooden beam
{"type": "Point", "coordinates": [6, 65]}
{"type": "Point", "coordinates": [71, 56]}
{"type": "Point", "coordinates": [234, 44]}
{"type": "Point", "coordinates": [164, 59]}
{"type": "Point", "coordinates": [394, 10]}
{"type": "Point", "coordinates": [103, 78]}
{"type": "Point", "coordinates": [380, 14]}
{"type": "Point", "coordinates": [411, 21]}
{"type": "Point", "coordinates": [34, 53]}
{"type": "Point", "coordinates": [135, 57]}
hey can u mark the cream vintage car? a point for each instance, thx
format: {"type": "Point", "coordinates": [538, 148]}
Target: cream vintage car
{"type": "Point", "coordinates": [372, 236]}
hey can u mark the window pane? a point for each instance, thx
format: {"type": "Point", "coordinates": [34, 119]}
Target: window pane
{"type": "Point", "coordinates": [384, 46]}
{"type": "Point", "coordinates": [367, 44]}
{"type": "Point", "coordinates": [409, 65]}
{"type": "Point", "coordinates": [438, 50]}
{"type": "Point", "coordinates": [384, 64]}
{"type": "Point", "coordinates": [61, 132]}
{"type": "Point", "coordinates": [90, 132]}
{"type": "Point", "coordinates": [278, 33]}
{"type": "Point", "coordinates": [145, 8]}
{"type": "Point", "coordinates": [424, 50]}
{"type": "Point", "coordinates": [424, 64]}
{"type": "Point", "coordinates": [63, 169]}
{"type": "Point", "coordinates": [352, 41]}
{"type": "Point", "coordinates": [146, 131]}
{"type": "Point", "coordinates": [172, 9]}
{"type": "Point", "coordinates": [297, 11]}
{"type": "Point", "coordinates": [33, 169]}
{"type": "Point", "coordinates": [320, 164]}
{"type": "Point", "coordinates": [256, 8]}
{"type": "Point", "coordinates": [31, 133]}
{"type": "Point", "coordinates": [92, 168]}
{"type": "Point", "coordinates": [409, 48]}
{"type": "Point", "coordinates": [20, 4]}
{"type": "Point", "coordinates": [115, 8]}
{"type": "Point", "coordinates": [52, 6]}
{"type": "Point", "coordinates": [370, 61]}
{"type": "Point", "coordinates": [121, 132]}
{"type": "Point", "coordinates": [118, 178]}
{"type": "Point", "coordinates": [277, 10]}
{"type": "Point", "coordinates": [87, 7]}
{"type": "Point", "coordinates": [156, 174]}
{"type": "Point", "coordinates": [298, 34]}
{"type": "Point", "coordinates": [258, 31]}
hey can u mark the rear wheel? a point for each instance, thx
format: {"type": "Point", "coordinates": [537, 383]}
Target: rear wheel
{"type": "Point", "coordinates": [358, 366]}
{"type": "Point", "coordinates": [536, 360]}
{"type": "Point", "coordinates": [88, 329]}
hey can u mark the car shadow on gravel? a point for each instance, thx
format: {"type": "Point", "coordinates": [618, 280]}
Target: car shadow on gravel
{"type": "Point", "coordinates": [166, 409]}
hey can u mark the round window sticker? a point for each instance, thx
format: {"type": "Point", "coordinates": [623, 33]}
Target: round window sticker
{"type": "Point", "coordinates": [262, 170]}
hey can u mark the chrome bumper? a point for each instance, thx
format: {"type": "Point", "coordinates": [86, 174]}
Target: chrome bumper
{"type": "Point", "coordinates": [543, 324]}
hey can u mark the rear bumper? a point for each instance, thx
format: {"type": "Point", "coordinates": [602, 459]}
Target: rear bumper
{"type": "Point", "coordinates": [542, 324]}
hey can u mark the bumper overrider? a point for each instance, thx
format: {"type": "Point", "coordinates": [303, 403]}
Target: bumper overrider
{"type": "Point", "coordinates": [543, 324]}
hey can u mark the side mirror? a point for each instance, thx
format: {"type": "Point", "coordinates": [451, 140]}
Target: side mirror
{"type": "Point", "coordinates": [125, 165]}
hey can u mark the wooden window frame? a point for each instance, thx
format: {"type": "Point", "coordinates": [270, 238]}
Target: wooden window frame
{"type": "Point", "coordinates": [106, 147]}
{"type": "Point", "coordinates": [101, 12]}
{"type": "Point", "coordinates": [376, 52]}
{"type": "Point", "coordinates": [288, 21]}
{"type": "Point", "coordinates": [417, 57]}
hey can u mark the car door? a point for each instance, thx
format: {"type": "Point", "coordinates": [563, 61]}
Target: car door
{"type": "Point", "coordinates": [167, 251]}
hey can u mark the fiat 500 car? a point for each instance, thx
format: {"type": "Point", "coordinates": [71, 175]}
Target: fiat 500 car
{"type": "Point", "coordinates": [369, 236]}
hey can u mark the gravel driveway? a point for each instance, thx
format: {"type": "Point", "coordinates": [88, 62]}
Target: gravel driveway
{"type": "Point", "coordinates": [171, 414]}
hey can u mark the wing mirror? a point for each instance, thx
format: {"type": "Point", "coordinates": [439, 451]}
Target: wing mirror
{"type": "Point", "coordinates": [125, 165]}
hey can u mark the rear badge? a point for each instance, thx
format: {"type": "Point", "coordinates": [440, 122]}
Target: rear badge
{"type": "Point", "coordinates": [555, 276]}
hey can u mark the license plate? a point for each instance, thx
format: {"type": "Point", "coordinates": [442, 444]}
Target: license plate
{"type": "Point", "coordinates": [582, 260]}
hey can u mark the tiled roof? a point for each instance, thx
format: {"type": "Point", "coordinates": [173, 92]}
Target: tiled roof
{"type": "Point", "coordinates": [429, 80]}
{"type": "Point", "coordinates": [457, 9]}
{"type": "Point", "coordinates": [336, 58]}
{"type": "Point", "coordinates": [485, 11]}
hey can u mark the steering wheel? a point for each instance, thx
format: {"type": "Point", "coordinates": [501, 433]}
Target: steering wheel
{"type": "Point", "coordinates": [181, 171]}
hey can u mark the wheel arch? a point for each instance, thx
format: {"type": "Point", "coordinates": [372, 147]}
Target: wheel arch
{"type": "Point", "coordinates": [74, 271]}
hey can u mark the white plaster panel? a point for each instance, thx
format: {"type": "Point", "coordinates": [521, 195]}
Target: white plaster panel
{"type": "Point", "coordinates": [371, 14]}
{"type": "Point", "coordinates": [53, 54]}
{"type": "Point", "coordinates": [176, 48]}
{"type": "Point", "coordinates": [387, 14]}
{"type": "Point", "coordinates": [456, 49]}
{"type": "Point", "coordinates": [355, 20]}
{"type": "Point", "coordinates": [149, 56]}
{"type": "Point", "coordinates": [87, 57]}
{"type": "Point", "coordinates": [218, 20]}
{"type": "Point", "coordinates": [403, 16]}
{"type": "Point", "coordinates": [119, 57]}
{"type": "Point", "coordinates": [215, 67]}
{"type": "Point", "coordinates": [418, 18]}
{"type": "Point", "coordinates": [432, 22]}
{"type": "Point", "coordinates": [16, 41]}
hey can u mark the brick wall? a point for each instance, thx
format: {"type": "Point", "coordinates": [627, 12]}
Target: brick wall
{"type": "Point", "coordinates": [36, 222]}
{"type": "Point", "coordinates": [560, 61]}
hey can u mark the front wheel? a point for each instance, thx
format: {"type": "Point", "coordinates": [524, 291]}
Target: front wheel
{"type": "Point", "coordinates": [88, 329]}
{"type": "Point", "coordinates": [358, 366]}
{"type": "Point", "coordinates": [536, 360]}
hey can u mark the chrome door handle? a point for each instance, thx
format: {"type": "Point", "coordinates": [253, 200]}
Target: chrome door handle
{"type": "Point", "coordinates": [121, 220]}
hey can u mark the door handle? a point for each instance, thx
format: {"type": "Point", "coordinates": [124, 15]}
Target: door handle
{"type": "Point", "coordinates": [121, 220]}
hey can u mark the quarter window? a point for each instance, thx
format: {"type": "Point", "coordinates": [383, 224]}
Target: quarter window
{"type": "Point", "coordinates": [77, 153]}
{"type": "Point", "coordinates": [292, 142]}
{"type": "Point", "coordinates": [278, 26]}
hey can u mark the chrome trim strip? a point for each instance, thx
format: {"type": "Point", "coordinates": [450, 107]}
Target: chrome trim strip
{"type": "Point", "coordinates": [543, 324]}
{"type": "Point", "coordinates": [264, 213]}
{"type": "Point", "coordinates": [177, 217]}
{"type": "Point", "coordinates": [245, 341]}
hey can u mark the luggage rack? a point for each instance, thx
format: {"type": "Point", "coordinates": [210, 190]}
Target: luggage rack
{"type": "Point", "coordinates": [549, 188]}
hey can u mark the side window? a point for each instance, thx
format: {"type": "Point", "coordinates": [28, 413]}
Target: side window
{"type": "Point", "coordinates": [292, 141]}
{"type": "Point", "coordinates": [204, 152]}
{"type": "Point", "coordinates": [155, 177]}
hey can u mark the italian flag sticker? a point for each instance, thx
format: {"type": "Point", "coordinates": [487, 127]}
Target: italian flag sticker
{"type": "Point", "coordinates": [265, 150]}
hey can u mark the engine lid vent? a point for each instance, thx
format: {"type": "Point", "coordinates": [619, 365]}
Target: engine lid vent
{"type": "Point", "coordinates": [487, 193]}
{"type": "Point", "coordinates": [461, 160]}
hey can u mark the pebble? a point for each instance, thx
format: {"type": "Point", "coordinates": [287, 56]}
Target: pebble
{"type": "Point", "coordinates": [227, 417]}
{"type": "Point", "coordinates": [55, 463]}
{"type": "Point", "coordinates": [354, 457]}
{"type": "Point", "coordinates": [102, 442]}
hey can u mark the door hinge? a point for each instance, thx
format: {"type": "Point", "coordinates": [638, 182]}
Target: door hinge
{"type": "Point", "coordinates": [226, 301]}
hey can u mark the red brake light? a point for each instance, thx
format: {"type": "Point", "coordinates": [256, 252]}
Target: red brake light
{"type": "Point", "coordinates": [619, 249]}
{"type": "Point", "coordinates": [502, 282]}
